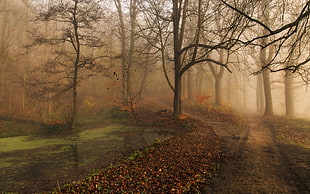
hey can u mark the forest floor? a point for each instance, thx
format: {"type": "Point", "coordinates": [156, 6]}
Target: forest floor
{"type": "Point", "coordinates": [223, 153]}
{"type": "Point", "coordinates": [260, 159]}
{"type": "Point", "coordinates": [216, 151]}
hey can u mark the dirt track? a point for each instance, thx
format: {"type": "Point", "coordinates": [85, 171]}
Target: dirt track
{"type": "Point", "coordinates": [256, 163]}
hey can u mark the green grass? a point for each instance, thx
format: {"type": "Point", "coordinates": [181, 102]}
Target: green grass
{"type": "Point", "coordinates": [107, 116]}
{"type": "Point", "coordinates": [21, 143]}
{"type": "Point", "coordinates": [26, 143]}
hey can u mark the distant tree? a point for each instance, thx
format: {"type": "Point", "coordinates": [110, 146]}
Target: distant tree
{"type": "Point", "coordinates": [202, 47]}
{"type": "Point", "coordinates": [123, 42]}
{"type": "Point", "coordinates": [289, 94]}
{"type": "Point", "coordinates": [155, 29]}
{"type": "Point", "coordinates": [283, 34]}
{"type": "Point", "coordinates": [13, 22]}
{"type": "Point", "coordinates": [74, 44]}
{"type": "Point", "coordinates": [290, 31]}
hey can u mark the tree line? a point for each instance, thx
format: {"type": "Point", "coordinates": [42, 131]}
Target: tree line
{"type": "Point", "coordinates": [55, 53]}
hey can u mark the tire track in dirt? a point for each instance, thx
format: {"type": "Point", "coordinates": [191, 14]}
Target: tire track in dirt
{"type": "Point", "coordinates": [255, 164]}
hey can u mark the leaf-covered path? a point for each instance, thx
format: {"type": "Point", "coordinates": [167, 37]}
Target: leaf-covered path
{"type": "Point", "coordinates": [256, 164]}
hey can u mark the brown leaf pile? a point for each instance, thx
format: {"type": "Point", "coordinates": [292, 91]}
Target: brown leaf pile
{"type": "Point", "coordinates": [183, 164]}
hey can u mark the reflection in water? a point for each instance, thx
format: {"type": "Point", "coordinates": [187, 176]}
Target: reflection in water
{"type": "Point", "coordinates": [39, 170]}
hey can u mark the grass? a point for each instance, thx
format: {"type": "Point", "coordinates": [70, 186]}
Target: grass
{"type": "Point", "coordinates": [107, 116]}
{"type": "Point", "coordinates": [290, 131]}
{"type": "Point", "coordinates": [21, 143]}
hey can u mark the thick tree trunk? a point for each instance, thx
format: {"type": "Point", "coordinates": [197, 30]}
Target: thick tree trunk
{"type": "Point", "coordinates": [260, 102]}
{"type": "Point", "coordinates": [265, 57]}
{"type": "Point", "coordinates": [268, 95]}
{"type": "Point", "coordinates": [177, 97]}
{"type": "Point", "coordinates": [289, 95]}
{"type": "Point", "coordinates": [218, 95]}
{"type": "Point", "coordinates": [217, 82]}
{"type": "Point", "coordinates": [177, 45]}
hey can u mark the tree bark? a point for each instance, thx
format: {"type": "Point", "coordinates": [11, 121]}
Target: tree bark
{"type": "Point", "coordinates": [178, 33]}
{"type": "Point", "coordinates": [217, 82]}
{"type": "Point", "coordinates": [289, 95]}
{"type": "Point", "coordinates": [4, 29]}
{"type": "Point", "coordinates": [260, 102]}
{"type": "Point", "coordinates": [268, 95]}
{"type": "Point", "coordinates": [123, 52]}
{"type": "Point", "coordinates": [77, 48]}
{"type": "Point", "coordinates": [190, 88]}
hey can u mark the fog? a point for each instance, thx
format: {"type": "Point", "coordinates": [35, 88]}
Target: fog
{"type": "Point", "coordinates": [66, 62]}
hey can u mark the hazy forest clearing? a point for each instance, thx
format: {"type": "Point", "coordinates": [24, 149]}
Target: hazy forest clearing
{"type": "Point", "coordinates": [164, 96]}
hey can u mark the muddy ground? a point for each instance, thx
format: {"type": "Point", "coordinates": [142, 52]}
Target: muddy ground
{"type": "Point", "coordinates": [257, 163]}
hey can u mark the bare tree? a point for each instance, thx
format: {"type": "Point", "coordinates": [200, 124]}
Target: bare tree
{"type": "Point", "coordinates": [74, 46]}
{"type": "Point", "coordinates": [292, 33]}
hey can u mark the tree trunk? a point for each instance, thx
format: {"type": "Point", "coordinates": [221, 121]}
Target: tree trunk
{"type": "Point", "coordinates": [260, 102]}
{"type": "Point", "coordinates": [177, 97]}
{"type": "Point", "coordinates": [178, 33]}
{"type": "Point", "coordinates": [27, 61]}
{"type": "Point", "coordinates": [217, 82]}
{"type": "Point", "coordinates": [289, 95]}
{"type": "Point", "coordinates": [75, 68]}
{"type": "Point", "coordinates": [268, 96]}
{"type": "Point", "coordinates": [217, 86]}
{"type": "Point", "coordinates": [244, 95]}
{"type": "Point", "coordinates": [123, 52]}
{"type": "Point", "coordinates": [190, 89]}
{"type": "Point", "coordinates": [143, 82]}
{"type": "Point", "coordinates": [74, 98]}
{"type": "Point", "coordinates": [4, 26]}
{"type": "Point", "coordinates": [265, 58]}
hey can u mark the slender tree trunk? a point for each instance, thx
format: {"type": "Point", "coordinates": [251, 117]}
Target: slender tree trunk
{"type": "Point", "coordinates": [122, 32]}
{"type": "Point", "coordinates": [76, 68]}
{"type": "Point", "coordinates": [24, 95]}
{"type": "Point", "coordinates": [74, 97]}
{"type": "Point", "coordinates": [190, 85]}
{"type": "Point", "coordinates": [143, 82]}
{"type": "Point", "coordinates": [133, 26]}
{"type": "Point", "coordinates": [229, 89]}
{"type": "Point", "coordinates": [4, 25]}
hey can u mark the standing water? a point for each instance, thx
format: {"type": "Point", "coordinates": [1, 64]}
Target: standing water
{"type": "Point", "coordinates": [37, 164]}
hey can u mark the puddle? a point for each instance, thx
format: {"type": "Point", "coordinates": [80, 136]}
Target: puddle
{"type": "Point", "coordinates": [30, 164]}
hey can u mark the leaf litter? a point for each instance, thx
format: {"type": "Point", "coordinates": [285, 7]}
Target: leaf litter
{"type": "Point", "coordinates": [185, 163]}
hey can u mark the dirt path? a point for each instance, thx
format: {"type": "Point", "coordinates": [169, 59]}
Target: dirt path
{"type": "Point", "coordinates": [256, 163]}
